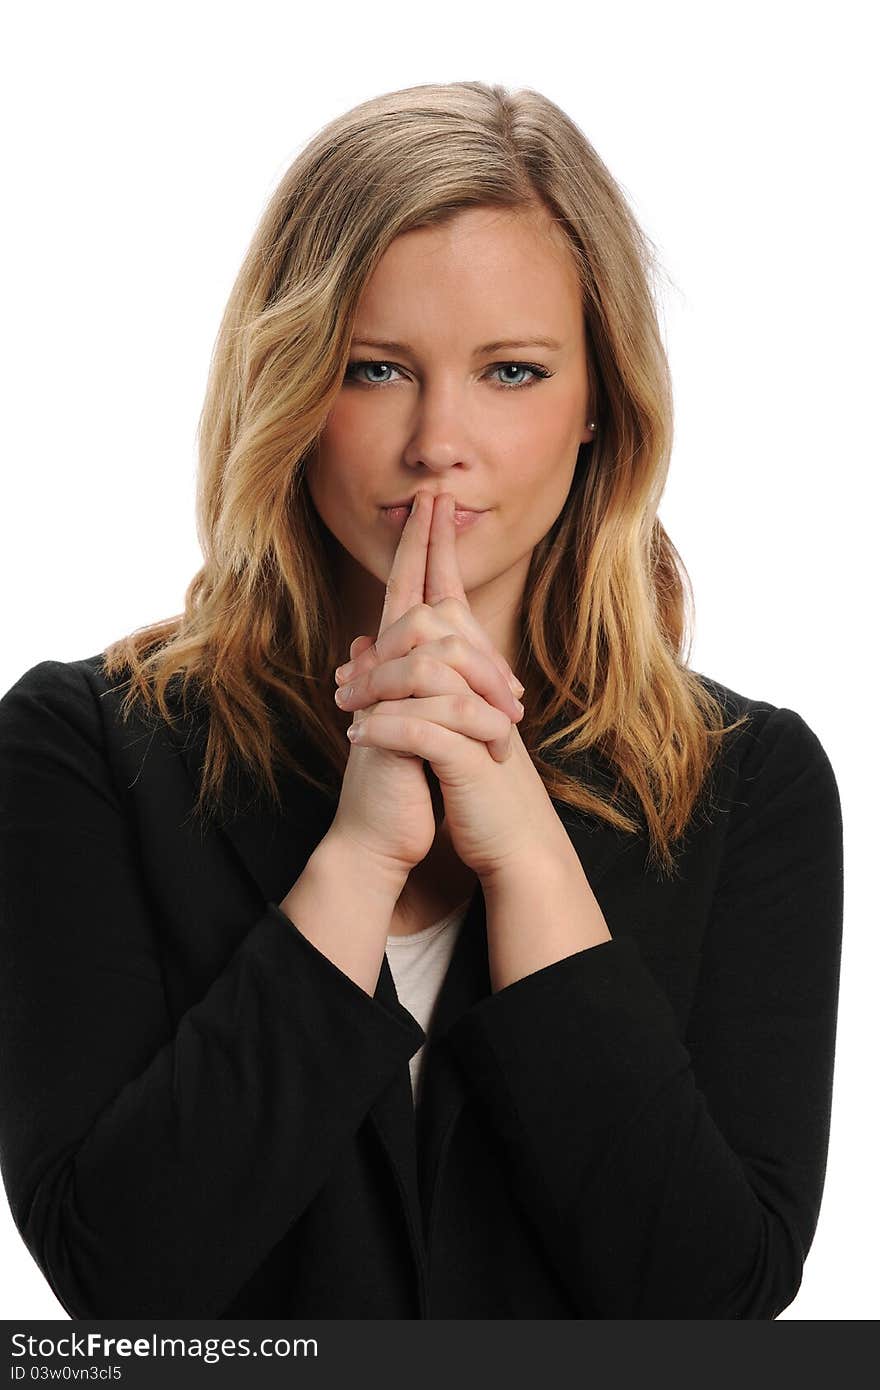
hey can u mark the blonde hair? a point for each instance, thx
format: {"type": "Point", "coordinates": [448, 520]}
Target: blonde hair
{"type": "Point", "coordinates": [607, 600]}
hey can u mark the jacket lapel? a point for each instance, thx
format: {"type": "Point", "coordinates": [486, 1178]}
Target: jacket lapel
{"type": "Point", "coordinates": [274, 847]}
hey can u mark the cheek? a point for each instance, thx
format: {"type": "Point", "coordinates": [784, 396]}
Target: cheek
{"type": "Point", "coordinates": [353, 419]}
{"type": "Point", "coordinates": [539, 467]}
{"type": "Point", "coordinates": [338, 496]}
{"type": "Point", "coordinates": [348, 464]}
{"type": "Point", "coordinates": [328, 472]}
{"type": "Point", "coordinates": [538, 480]}
{"type": "Point", "coordinates": [323, 483]}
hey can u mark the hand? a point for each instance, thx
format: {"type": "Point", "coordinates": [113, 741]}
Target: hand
{"type": "Point", "coordinates": [385, 805]}
{"type": "Point", "coordinates": [436, 650]}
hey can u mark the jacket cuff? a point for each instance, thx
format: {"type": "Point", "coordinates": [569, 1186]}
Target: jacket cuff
{"type": "Point", "coordinates": [399, 1029]}
{"type": "Point", "coordinates": [564, 1056]}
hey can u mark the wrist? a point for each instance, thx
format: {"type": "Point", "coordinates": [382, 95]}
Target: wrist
{"type": "Point", "coordinates": [377, 875]}
{"type": "Point", "coordinates": [552, 855]}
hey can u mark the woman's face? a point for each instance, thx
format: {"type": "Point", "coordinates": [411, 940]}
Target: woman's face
{"type": "Point", "coordinates": [499, 428]}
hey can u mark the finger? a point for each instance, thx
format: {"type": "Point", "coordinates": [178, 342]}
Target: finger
{"type": "Point", "coordinates": [418, 627]}
{"type": "Point", "coordinates": [481, 671]}
{"type": "Point", "coordinates": [442, 574]}
{"type": "Point", "coordinates": [396, 637]}
{"type": "Point", "coordinates": [446, 666]}
{"type": "Point", "coordinates": [397, 640]}
{"type": "Point", "coordinates": [463, 713]}
{"type": "Point", "coordinates": [395, 724]}
{"type": "Point", "coordinates": [462, 620]}
{"type": "Point", "coordinates": [443, 580]}
{"type": "Point", "coordinates": [358, 646]}
{"type": "Point", "coordinates": [442, 589]}
{"type": "Point", "coordinates": [406, 582]}
{"type": "Point", "coordinates": [356, 650]}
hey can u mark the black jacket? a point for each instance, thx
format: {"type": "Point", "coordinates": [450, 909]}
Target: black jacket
{"type": "Point", "coordinates": [202, 1116]}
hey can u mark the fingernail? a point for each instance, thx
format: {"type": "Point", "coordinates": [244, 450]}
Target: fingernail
{"type": "Point", "coordinates": [516, 686]}
{"type": "Point", "coordinates": [520, 709]}
{"type": "Point", "coordinates": [343, 672]}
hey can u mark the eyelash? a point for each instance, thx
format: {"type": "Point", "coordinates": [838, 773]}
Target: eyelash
{"type": "Point", "coordinates": [539, 373]}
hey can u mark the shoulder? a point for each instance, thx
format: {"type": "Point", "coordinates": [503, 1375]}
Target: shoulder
{"type": "Point", "coordinates": [769, 731]}
{"type": "Point", "coordinates": [57, 687]}
{"type": "Point", "coordinates": [774, 768]}
{"type": "Point", "coordinates": [58, 699]}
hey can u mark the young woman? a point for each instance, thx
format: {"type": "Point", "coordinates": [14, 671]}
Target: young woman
{"type": "Point", "coordinates": [364, 992]}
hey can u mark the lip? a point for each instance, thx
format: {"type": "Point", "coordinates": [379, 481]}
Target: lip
{"type": "Point", "coordinates": [397, 516]}
{"type": "Point", "coordinates": [408, 501]}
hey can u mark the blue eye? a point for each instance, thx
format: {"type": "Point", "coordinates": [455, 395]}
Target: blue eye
{"type": "Point", "coordinates": [537, 373]}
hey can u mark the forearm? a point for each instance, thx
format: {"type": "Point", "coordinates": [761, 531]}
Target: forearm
{"type": "Point", "coordinates": [539, 911]}
{"type": "Point", "coordinates": [343, 904]}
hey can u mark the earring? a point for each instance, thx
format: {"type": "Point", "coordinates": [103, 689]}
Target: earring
{"type": "Point", "coordinates": [591, 425]}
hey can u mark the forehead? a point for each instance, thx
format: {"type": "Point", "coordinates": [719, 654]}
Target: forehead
{"type": "Point", "coordinates": [482, 261]}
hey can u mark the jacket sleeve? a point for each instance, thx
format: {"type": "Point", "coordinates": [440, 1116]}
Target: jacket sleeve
{"type": "Point", "coordinates": [683, 1179]}
{"type": "Point", "coordinates": [151, 1168]}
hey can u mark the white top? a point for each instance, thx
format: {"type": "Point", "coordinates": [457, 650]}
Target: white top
{"type": "Point", "coordinates": [418, 964]}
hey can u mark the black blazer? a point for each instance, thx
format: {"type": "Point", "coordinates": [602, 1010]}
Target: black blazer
{"type": "Point", "coordinates": [202, 1116]}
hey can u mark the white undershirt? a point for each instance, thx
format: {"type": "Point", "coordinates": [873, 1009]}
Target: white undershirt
{"type": "Point", "coordinates": [418, 964]}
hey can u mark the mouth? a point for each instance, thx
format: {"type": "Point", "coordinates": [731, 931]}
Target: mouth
{"type": "Point", "coordinates": [407, 503]}
{"type": "Point", "coordinates": [398, 512]}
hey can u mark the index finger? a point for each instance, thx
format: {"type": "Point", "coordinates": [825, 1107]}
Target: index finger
{"type": "Point", "coordinates": [443, 576]}
{"type": "Point", "coordinates": [406, 582]}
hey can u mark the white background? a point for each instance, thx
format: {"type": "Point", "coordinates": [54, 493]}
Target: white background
{"type": "Point", "coordinates": [141, 145]}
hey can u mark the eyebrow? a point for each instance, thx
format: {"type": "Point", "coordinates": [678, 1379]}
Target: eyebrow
{"type": "Point", "coordinates": [550, 343]}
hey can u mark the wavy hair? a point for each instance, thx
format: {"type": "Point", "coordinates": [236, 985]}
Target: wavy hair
{"type": "Point", "coordinates": [607, 605]}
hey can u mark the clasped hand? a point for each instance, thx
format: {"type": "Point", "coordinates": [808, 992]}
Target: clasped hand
{"type": "Point", "coordinates": [432, 685]}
